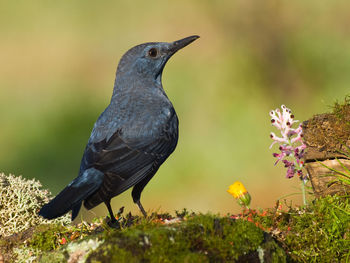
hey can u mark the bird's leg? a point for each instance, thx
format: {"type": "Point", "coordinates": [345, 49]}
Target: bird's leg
{"type": "Point", "coordinates": [136, 192]}
{"type": "Point", "coordinates": [113, 222]}
{"type": "Point", "coordinates": [141, 208]}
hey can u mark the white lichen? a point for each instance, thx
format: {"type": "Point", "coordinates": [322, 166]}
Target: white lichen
{"type": "Point", "coordinates": [26, 254]}
{"type": "Point", "coordinates": [260, 254]}
{"type": "Point", "coordinates": [79, 251]}
{"type": "Point", "coordinates": [20, 202]}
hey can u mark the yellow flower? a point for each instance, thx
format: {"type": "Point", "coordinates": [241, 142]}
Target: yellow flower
{"type": "Point", "coordinates": [238, 191]}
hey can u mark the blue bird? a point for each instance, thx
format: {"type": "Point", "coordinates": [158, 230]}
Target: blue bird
{"type": "Point", "coordinates": [130, 140]}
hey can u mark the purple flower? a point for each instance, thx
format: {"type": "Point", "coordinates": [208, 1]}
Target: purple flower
{"type": "Point", "coordinates": [290, 142]}
{"type": "Point", "coordinates": [290, 172]}
{"type": "Point", "coordinates": [287, 163]}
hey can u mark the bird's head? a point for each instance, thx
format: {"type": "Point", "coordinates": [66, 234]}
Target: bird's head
{"type": "Point", "coordinates": [147, 61]}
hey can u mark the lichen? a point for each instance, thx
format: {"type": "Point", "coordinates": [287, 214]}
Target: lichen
{"type": "Point", "coordinates": [20, 201]}
{"type": "Point", "coordinates": [75, 252]}
{"type": "Point", "coordinates": [79, 251]}
{"type": "Point", "coordinates": [25, 254]}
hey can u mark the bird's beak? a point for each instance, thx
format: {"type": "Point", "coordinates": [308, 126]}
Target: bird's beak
{"type": "Point", "coordinates": [171, 49]}
{"type": "Point", "coordinates": [179, 44]}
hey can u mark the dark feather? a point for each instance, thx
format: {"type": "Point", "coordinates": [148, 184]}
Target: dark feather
{"type": "Point", "coordinates": [125, 166]}
{"type": "Point", "coordinates": [72, 196]}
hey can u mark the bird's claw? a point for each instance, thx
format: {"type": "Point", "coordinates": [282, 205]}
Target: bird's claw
{"type": "Point", "coordinates": [113, 223]}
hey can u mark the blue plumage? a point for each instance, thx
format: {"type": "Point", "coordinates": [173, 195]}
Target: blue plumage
{"type": "Point", "coordinates": [131, 139]}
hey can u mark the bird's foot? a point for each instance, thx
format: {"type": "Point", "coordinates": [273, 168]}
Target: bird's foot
{"type": "Point", "coordinates": [113, 223]}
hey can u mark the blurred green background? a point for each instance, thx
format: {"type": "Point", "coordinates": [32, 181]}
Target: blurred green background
{"type": "Point", "coordinates": [57, 69]}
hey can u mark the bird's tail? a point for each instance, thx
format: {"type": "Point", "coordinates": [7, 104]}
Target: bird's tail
{"type": "Point", "coordinates": [71, 197]}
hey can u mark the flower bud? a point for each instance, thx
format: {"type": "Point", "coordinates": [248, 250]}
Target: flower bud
{"type": "Point", "coordinates": [238, 191]}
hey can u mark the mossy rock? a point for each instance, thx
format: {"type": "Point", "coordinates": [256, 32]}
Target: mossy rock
{"type": "Point", "coordinates": [196, 238]}
{"type": "Point", "coordinates": [202, 238]}
{"type": "Point", "coordinates": [327, 137]}
{"type": "Point", "coordinates": [191, 238]}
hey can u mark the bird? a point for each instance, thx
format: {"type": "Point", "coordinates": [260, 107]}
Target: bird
{"type": "Point", "coordinates": [131, 138]}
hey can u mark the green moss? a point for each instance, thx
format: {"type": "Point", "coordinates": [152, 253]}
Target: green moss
{"type": "Point", "coordinates": [46, 237]}
{"type": "Point", "coordinates": [201, 238]}
{"type": "Point", "coordinates": [195, 238]}
{"type": "Point", "coordinates": [53, 257]}
{"type": "Point", "coordinates": [30, 243]}
{"type": "Point", "coordinates": [342, 111]}
{"type": "Point", "coordinates": [317, 233]}
{"type": "Point", "coordinates": [273, 252]}
{"type": "Point", "coordinates": [322, 232]}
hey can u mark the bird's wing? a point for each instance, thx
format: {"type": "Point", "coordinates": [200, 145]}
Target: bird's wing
{"type": "Point", "coordinates": [126, 157]}
{"type": "Point", "coordinates": [155, 138]}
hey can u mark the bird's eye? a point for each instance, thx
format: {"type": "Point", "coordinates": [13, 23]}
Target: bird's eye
{"type": "Point", "coordinates": [152, 52]}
